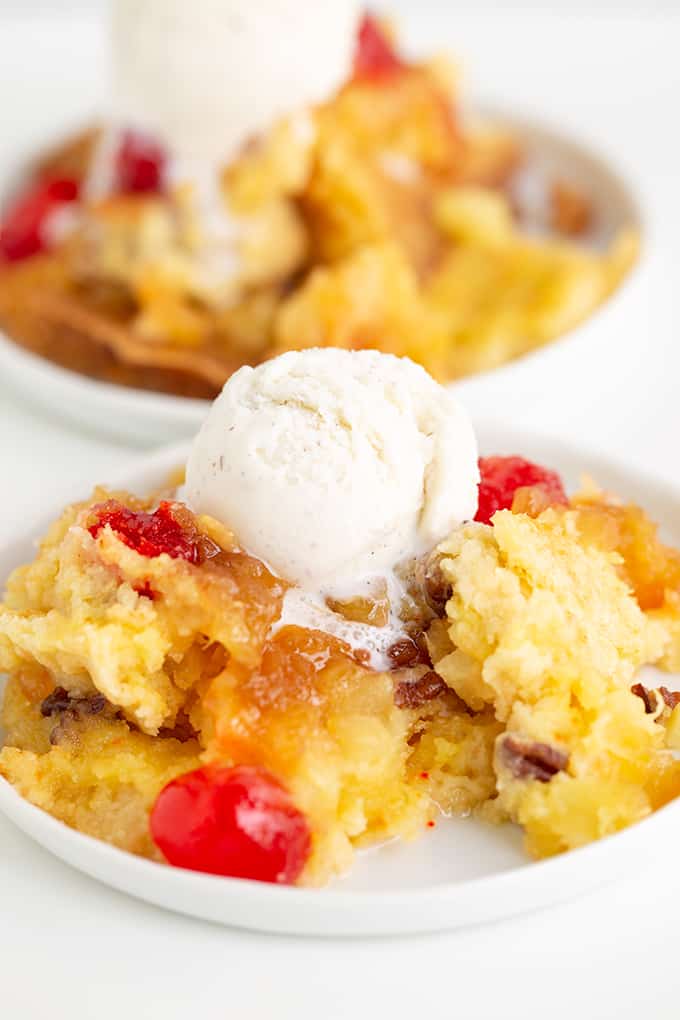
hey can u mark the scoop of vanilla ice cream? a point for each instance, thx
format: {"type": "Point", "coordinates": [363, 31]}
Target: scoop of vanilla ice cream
{"type": "Point", "coordinates": [205, 76]}
{"type": "Point", "coordinates": [333, 465]}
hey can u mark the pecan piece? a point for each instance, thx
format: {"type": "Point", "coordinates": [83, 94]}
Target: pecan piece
{"type": "Point", "coordinates": [61, 701]}
{"type": "Point", "coordinates": [58, 701]}
{"type": "Point", "coordinates": [182, 730]}
{"type": "Point", "coordinates": [92, 705]}
{"type": "Point", "coordinates": [407, 652]}
{"type": "Point", "coordinates": [71, 708]}
{"type": "Point", "coordinates": [435, 588]}
{"type": "Point", "coordinates": [671, 698]}
{"type": "Point", "coordinates": [648, 697]}
{"type": "Point", "coordinates": [530, 759]}
{"type": "Point", "coordinates": [412, 694]}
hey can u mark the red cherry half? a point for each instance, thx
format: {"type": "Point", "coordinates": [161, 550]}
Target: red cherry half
{"type": "Point", "coordinates": [239, 822]}
{"type": "Point", "coordinates": [140, 165]}
{"type": "Point", "coordinates": [22, 232]}
{"type": "Point", "coordinates": [501, 477]}
{"type": "Point", "coordinates": [148, 534]}
{"type": "Point", "coordinates": [375, 56]}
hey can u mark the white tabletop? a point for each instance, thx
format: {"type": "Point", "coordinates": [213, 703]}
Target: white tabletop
{"type": "Point", "coordinates": [71, 948]}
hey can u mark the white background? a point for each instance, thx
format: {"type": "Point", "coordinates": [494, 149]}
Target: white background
{"type": "Point", "coordinates": [70, 948]}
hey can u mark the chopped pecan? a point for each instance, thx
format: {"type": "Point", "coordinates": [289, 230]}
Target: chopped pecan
{"type": "Point", "coordinates": [71, 708]}
{"type": "Point", "coordinates": [61, 701]}
{"type": "Point", "coordinates": [58, 701]}
{"type": "Point", "coordinates": [182, 730]}
{"type": "Point", "coordinates": [648, 697]}
{"type": "Point", "coordinates": [93, 705]}
{"type": "Point", "coordinates": [406, 652]}
{"type": "Point", "coordinates": [412, 694]}
{"type": "Point", "coordinates": [434, 586]}
{"type": "Point", "coordinates": [671, 698]}
{"type": "Point", "coordinates": [530, 759]}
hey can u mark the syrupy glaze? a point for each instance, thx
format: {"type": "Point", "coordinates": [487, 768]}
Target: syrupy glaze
{"type": "Point", "coordinates": [224, 583]}
{"type": "Point", "coordinates": [291, 663]}
{"type": "Point", "coordinates": [651, 568]}
{"type": "Point", "coordinates": [260, 716]}
{"type": "Point", "coordinates": [365, 616]}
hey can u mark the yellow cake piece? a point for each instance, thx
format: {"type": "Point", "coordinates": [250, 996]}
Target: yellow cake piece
{"type": "Point", "coordinates": [91, 771]}
{"type": "Point", "coordinates": [77, 611]}
{"type": "Point", "coordinates": [545, 632]}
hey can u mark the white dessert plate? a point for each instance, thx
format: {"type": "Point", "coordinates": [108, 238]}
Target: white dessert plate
{"type": "Point", "coordinates": [146, 418]}
{"type": "Point", "coordinates": [461, 873]}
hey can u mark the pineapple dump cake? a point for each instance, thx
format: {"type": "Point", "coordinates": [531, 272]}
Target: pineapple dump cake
{"type": "Point", "coordinates": [325, 191]}
{"type": "Point", "coordinates": [342, 628]}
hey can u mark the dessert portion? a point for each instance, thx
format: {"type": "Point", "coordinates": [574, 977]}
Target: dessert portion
{"type": "Point", "coordinates": [303, 184]}
{"type": "Point", "coordinates": [251, 703]}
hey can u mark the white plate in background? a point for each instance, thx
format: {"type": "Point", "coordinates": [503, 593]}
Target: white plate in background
{"type": "Point", "coordinates": [462, 873]}
{"type": "Point", "coordinates": [542, 381]}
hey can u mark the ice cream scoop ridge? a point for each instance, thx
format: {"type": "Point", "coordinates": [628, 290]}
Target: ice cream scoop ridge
{"type": "Point", "coordinates": [333, 465]}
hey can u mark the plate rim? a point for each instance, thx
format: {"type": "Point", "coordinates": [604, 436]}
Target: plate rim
{"type": "Point", "coordinates": [316, 903]}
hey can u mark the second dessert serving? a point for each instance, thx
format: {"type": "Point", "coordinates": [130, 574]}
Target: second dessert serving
{"type": "Point", "coordinates": [302, 184]}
